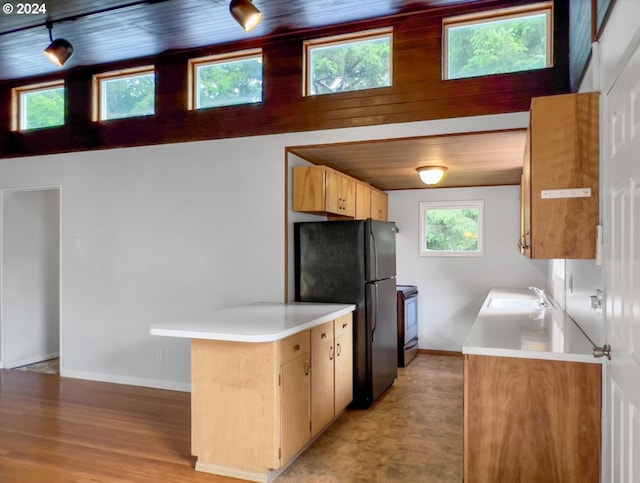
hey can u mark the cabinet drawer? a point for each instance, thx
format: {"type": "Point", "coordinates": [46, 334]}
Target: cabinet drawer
{"type": "Point", "coordinates": [343, 324]}
{"type": "Point", "coordinates": [294, 346]}
{"type": "Point", "coordinates": [321, 334]}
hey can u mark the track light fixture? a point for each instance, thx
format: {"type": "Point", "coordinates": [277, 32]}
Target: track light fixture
{"type": "Point", "coordinates": [245, 13]}
{"type": "Point", "coordinates": [59, 50]}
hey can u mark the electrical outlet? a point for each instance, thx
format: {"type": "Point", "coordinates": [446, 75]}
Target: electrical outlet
{"type": "Point", "coordinates": [159, 355]}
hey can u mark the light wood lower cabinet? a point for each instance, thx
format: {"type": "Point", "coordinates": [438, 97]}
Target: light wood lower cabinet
{"type": "Point", "coordinates": [295, 383]}
{"type": "Point", "coordinates": [331, 371]}
{"type": "Point", "coordinates": [343, 367]}
{"type": "Point", "coordinates": [529, 420]}
{"type": "Point", "coordinates": [322, 350]}
{"type": "Point", "coordinates": [253, 405]}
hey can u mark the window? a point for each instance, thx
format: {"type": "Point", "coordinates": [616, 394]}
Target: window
{"type": "Point", "coordinates": [38, 106]}
{"type": "Point", "coordinates": [452, 228]}
{"type": "Point", "coordinates": [498, 42]}
{"type": "Point", "coordinates": [348, 63]}
{"type": "Point", "coordinates": [125, 93]}
{"type": "Point", "coordinates": [226, 80]}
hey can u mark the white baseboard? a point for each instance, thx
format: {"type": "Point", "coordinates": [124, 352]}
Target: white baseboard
{"type": "Point", "coordinates": [130, 381]}
{"type": "Point", "coordinates": [31, 360]}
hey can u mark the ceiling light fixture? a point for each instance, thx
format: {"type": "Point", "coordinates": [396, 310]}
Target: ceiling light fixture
{"type": "Point", "coordinates": [431, 175]}
{"type": "Point", "coordinates": [59, 50]}
{"type": "Point", "coordinates": [245, 13]}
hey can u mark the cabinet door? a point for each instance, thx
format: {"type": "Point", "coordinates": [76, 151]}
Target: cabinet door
{"type": "Point", "coordinates": [531, 420]}
{"type": "Point", "coordinates": [340, 193]}
{"type": "Point", "coordinates": [343, 362]}
{"type": "Point", "coordinates": [308, 189]}
{"type": "Point", "coordinates": [564, 155]}
{"type": "Point", "coordinates": [295, 404]}
{"type": "Point", "coordinates": [379, 202]}
{"type": "Point", "coordinates": [363, 201]}
{"type": "Point", "coordinates": [322, 356]}
{"type": "Point", "coordinates": [525, 200]}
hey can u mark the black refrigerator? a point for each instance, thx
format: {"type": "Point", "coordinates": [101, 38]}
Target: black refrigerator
{"type": "Point", "coordinates": [355, 262]}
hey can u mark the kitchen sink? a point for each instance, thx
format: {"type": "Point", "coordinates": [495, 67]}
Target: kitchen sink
{"type": "Point", "coordinates": [513, 303]}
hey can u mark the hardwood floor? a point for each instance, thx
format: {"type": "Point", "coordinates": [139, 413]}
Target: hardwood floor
{"type": "Point", "coordinates": [55, 429]}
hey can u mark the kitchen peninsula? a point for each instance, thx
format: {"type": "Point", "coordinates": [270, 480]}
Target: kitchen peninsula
{"type": "Point", "coordinates": [532, 394]}
{"type": "Point", "coordinates": [253, 409]}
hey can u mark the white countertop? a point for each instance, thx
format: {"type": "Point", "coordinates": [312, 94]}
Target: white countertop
{"type": "Point", "coordinates": [258, 322]}
{"type": "Point", "coordinates": [506, 327]}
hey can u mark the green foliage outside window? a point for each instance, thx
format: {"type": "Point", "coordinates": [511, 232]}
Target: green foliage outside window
{"type": "Point", "coordinates": [43, 108]}
{"type": "Point", "coordinates": [350, 67]}
{"type": "Point", "coordinates": [498, 47]}
{"type": "Point", "coordinates": [451, 230]}
{"type": "Point", "coordinates": [129, 96]}
{"type": "Point", "coordinates": [229, 83]}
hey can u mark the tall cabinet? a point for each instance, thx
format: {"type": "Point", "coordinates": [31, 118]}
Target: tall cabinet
{"type": "Point", "coordinates": [560, 180]}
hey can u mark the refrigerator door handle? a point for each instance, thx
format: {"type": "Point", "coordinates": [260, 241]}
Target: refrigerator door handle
{"type": "Point", "coordinates": [373, 257]}
{"type": "Point", "coordinates": [374, 322]}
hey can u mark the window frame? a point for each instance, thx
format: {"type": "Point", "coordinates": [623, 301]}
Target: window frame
{"type": "Point", "coordinates": [364, 35]}
{"type": "Point", "coordinates": [496, 15]}
{"type": "Point", "coordinates": [228, 57]}
{"type": "Point", "coordinates": [99, 105]}
{"type": "Point", "coordinates": [18, 107]}
{"type": "Point", "coordinates": [444, 205]}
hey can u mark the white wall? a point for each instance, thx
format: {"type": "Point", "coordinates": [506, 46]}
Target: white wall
{"type": "Point", "coordinates": [153, 233]}
{"type": "Point", "coordinates": [30, 276]}
{"type": "Point", "coordinates": [451, 290]}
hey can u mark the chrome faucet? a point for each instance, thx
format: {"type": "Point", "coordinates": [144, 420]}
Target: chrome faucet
{"type": "Point", "coordinates": [542, 297]}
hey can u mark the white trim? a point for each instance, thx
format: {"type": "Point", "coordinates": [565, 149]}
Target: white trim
{"type": "Point", "coordinates": [130, 381]}
{"type": "Point", "coordinates": [443, 205]}
{"type": "Point", "coordinates": [33, 360]}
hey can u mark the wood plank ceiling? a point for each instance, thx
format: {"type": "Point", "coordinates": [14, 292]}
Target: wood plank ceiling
{"type": "Point", "coordinates": [472, 159]}
{"type": "Point", "coordinates": [104, 31]}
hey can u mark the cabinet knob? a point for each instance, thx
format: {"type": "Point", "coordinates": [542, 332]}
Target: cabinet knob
{"type": "Point", "coordinates": [344, 326]}
{"type": "Point", "coordinates": [323, 335]}
{"type": "Point", "coordinates": [296, 347]}
{"type": "Point", "coordinates": [331, 353]}
{"type": "Point", "coordinates": [338, 350]}
{"type": "Point", "coordinates": [307, 368]}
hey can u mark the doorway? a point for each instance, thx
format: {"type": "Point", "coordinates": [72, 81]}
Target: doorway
{"type": "Point", "coordinates": [30, 283]}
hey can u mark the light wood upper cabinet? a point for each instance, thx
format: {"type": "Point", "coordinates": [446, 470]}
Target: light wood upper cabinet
{"type": "Point", "coordinates": [363, 201]}
{"type": "Point", "coordinates": [562, 153]}
{"type": "Point", "coordinates": [320, 189]}
{"type": "Point", "coordinates": [379, 205]}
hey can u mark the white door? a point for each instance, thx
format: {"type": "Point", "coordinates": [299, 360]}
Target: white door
{"type": "Point", "coordinates": [621, 161]}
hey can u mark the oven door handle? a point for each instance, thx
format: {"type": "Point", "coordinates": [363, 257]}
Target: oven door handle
{"type": "Point", "coordinates": [411, 344]}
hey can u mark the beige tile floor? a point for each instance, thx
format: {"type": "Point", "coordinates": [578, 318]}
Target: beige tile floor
{"type": "Point", "coordinates": [412, 434]}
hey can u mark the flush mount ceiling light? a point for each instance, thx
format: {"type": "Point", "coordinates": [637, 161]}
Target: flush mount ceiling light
{"type": "Point", "coordinates": [245, 13]}
{"type": "Point", "coordinates": [431, 175]}
{"type": "Point", "coordinates": [59, 50]}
